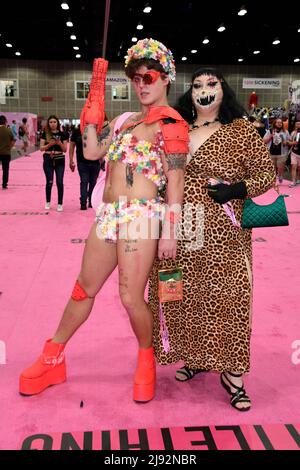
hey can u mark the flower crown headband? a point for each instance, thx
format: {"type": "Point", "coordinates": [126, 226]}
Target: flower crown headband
{"type": "Point", "coordinates": [152, 49]}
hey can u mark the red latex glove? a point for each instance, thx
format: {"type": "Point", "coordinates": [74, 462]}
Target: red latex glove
{"type": "Point", "coordinates": [93, 111]}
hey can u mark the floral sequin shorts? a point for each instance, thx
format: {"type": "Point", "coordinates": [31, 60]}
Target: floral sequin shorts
{"type": "Point", "coordinates": [110, 215]}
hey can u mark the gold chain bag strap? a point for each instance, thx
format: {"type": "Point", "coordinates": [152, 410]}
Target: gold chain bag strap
{"type": "Point", "coordinates": [170, 289]}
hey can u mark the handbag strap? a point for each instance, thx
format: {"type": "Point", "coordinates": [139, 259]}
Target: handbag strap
{"type": "Point", "coordinates": [277, 188]}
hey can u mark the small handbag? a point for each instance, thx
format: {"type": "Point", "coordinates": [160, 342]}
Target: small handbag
{"type": "Point", "coordinates": [170, 285]}
{"type": "Point", "coordinates": [170, 288]}
{"type": "Point", "coordinates": [270, 215]}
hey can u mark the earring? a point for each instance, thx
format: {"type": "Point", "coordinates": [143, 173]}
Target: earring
{"type": "Point", "coordinates": [193, 112]}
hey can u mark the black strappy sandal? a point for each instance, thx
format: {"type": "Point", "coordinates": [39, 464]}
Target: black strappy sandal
{"type": "Point", "coordinates": [239, 396]}
{"type": "Point", "coordinates": [187, 374]}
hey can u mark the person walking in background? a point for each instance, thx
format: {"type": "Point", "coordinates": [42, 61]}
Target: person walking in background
{"type": "Point", "coordinates": [14, 129]}
{"type": "Point", "coordinates": [54, 145]}
{"type": "Point", "coordinates": [277, 141]}
{"type": "Point", "coordinates": [295, 155]}
{"type": "Point", "coordinates": [88, 169]}
{"type": "Point", "coordinates": [24, 135]}
{"type": "Point", "coordinates": [7, 141]}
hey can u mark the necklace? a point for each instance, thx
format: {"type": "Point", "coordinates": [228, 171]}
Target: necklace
{"type": "Point", "coordinates": [205, 124]}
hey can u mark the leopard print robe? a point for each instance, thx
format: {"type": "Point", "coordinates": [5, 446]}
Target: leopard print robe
{"type": "Point", "coordinates": [210, 329]}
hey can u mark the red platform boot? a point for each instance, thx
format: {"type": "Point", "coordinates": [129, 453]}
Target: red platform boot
{"type": "Point", "coordinates": [145, 376]}
{"type": "Point", "coordinates": [49, 369]}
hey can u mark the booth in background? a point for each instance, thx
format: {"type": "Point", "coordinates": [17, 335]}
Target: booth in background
{"type": "Point", "coordinates": [31, 123]}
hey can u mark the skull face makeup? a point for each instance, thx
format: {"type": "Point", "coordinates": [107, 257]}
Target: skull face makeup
{"type": "Point", "coordinates": [207, 93]}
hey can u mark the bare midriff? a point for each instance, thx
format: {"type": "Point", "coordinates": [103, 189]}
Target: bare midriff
{"type": "Point", "coordinates": [128, 152]}
{"type": "Point", "coordinates": [115, 185]}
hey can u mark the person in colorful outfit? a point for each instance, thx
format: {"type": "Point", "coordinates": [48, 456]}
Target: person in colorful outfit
{"type": "Point", "coordinates": [210, 328]}
{"type": "Point", "coordinates": [149, 149]}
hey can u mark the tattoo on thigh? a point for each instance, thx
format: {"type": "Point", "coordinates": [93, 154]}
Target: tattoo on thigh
{"type": "Point", "coordinates": [123, 281]}
{"type": "Point", "coordinates": [176, 161]}
{"type": "Point", "coordinates": [121, 284]}
{"type": "Point", "coordinates": [122, 276]}
{"type": "Point", "coordinates": [129, 248]}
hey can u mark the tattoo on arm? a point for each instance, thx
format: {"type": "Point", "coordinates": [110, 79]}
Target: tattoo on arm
{"type": "Point", "coordinates": [176, 161]}
{"type": "Point", "coordinates": [85, 131]}
{"type": "Point", "coordinates": [100, 138]}
{"type": "Point", "coordinates": [104, 134]}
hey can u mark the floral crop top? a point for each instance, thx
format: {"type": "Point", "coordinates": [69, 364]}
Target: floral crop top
{"type": "Point", "coordinates": [142, 156]}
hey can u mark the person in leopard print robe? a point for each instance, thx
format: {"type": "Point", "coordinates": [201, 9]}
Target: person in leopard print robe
{"type": "Point", "coordinates": [210, 329]}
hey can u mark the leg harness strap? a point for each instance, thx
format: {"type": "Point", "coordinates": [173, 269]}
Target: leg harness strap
{"type": "Point", "coordinates": [79, 293]}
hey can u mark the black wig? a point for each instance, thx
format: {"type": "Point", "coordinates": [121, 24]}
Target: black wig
{"type": "Point", "coordinates": [230, 108]}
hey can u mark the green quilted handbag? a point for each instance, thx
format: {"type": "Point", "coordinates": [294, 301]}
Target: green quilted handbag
{"type": "Point", "coordinates": [271, 215]}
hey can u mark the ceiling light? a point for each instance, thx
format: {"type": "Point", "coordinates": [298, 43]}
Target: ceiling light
{"type": "Point", "coordinates": [183, 58]}
{"type": "Point", "coordinates": [78, 56]}
{"type": "Point", "coordinates": [139, 26]}
{"type": "Point", "coordinates": [256, 52]}
{"type": "Point", "coordinates": [193, 51]}
{"type": "Point", "coordinates": [240, 59]}
{"type": "Point", "coordinates": [297, 59]}
{"type": "Point", "coordinates": [299, 30]}
{"type": "Point", "coordinates": [147, 9]}
{"type": "Point", "coordinates": [73, 37]}
{"type": "Point", "coordinates": [205, 41]}
{"type": "Point", "coordinates": [65, 6]}
{"type": "Point", "coordinates": [76, 48]}
{"type": "Point", "coordinates": [8, 45]}
{"type": "Point", "coordinates": [221, 28]}
{"type": "Point", "coordinates": [69, 24]}
{"type": "Point", "coordinates": [17, 53]}
{"type": "Point", "coordinates": [276, 41]}
{"type": "Point", "coordinates": [242, 11]}
{"type": "Point", "coordinates": [134, 39]}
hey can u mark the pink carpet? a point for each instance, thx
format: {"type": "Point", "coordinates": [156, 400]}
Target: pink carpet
{"type": "Point", "coordinates": [40, 259]}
